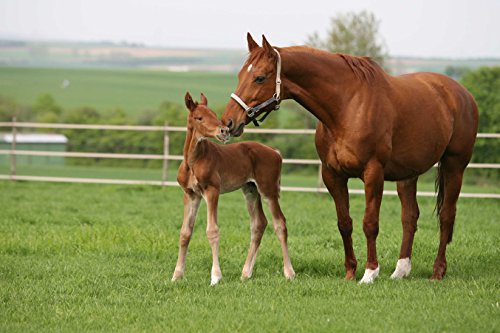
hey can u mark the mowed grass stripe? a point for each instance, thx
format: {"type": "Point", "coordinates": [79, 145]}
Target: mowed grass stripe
{"type": "Point", "coordinates": [99, 258]}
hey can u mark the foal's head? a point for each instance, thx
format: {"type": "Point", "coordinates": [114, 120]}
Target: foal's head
{"type": "Point", "coordinates": [204, 121]}
{"type": "Point", "coordinates": [257, 84]}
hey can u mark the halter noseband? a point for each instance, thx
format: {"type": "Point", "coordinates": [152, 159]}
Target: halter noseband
{"type": "Point", "coordinates": [253, 112]}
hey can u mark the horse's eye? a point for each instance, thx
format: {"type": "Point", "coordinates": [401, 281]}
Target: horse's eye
{"type": "Point", "coordinates": [260, 79]}
{"type": "Point", "coordinates": [198, 118]}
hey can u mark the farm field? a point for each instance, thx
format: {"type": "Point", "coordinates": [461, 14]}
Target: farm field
{"type": "Point", "coordinates": [99, 258]}
{"type": "Point", "coordinates": [130, 90]}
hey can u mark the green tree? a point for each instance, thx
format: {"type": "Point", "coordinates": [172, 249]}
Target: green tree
{"type": "Point", "coordinates": [46, 109]}
{"type": "Point", "coordinates": [484, 85]}
{"type": "Point", "coordinates": [353, 33]}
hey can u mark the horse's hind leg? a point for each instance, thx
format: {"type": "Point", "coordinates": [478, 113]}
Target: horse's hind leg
{"type": "Point", "coordinates": [279, 223]}
{"type": "Point", "coordinates": [191, 205]}
{"type": "Point", "coordinates": [258, 223]}
{"type": "Point", "coordinates": [451, 173]}
{"type": "Point", "coordinates": [407, 192]}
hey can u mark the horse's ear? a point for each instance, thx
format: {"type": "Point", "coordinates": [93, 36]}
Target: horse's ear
{"type": "Point", "coordinates": [252, 45]}
{"type": "Point", "coordinates": [203, 100]}
{"type": "Point", "coordinates": [190, 104]}
{"type": "Point", "coordinates": [267, 46]}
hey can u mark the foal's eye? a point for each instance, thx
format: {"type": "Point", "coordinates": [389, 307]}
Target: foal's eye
{"type": "Point", "coordinates": [260, 79]}
{"type": "Point", "coordinates": [198, 118]}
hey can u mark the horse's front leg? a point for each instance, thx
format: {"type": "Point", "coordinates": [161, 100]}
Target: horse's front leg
{"type": "Point", "coordinates": [191, 205]}
{"type": "Point", "coordinates": [337, 186]}
{"type": "Point", "coordinates": [211, 195]}
{"type": "Point", "coordinates": [373, 177]}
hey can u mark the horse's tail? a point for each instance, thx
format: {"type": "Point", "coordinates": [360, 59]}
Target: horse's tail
{"type": "Point", "coordinates": [439, 186]}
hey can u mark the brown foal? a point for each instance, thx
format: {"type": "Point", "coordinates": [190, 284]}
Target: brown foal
{"type": "Point", "coordinates": [209, 169]}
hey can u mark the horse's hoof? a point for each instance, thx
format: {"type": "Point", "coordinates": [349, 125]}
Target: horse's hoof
{"type": "Point", "coordinates": [245, 277]}
{"type": "Point", "coordinates": [370, 275]}
{"type": "Point", "coordinates": [439, 271]}
{"type": "Point", "coordinates": [403, 268]}
{"type": "Point", "coordinates": [350, 275]}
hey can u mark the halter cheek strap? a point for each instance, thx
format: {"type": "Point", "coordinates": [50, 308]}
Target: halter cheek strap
{"type": "Point", "coordinates": [253, 112]}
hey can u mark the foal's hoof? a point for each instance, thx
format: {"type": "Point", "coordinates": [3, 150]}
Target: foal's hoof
{"type": "Point", "coordinates": [290, 274]}
{"type": "Point", "coordinates": [215, 280]}
{"type": "Point", "coordinates": [370, 275]}
{"type": "Point", "coordinates": [403, 268]}
{"type": "Point", "coordinates": [177, 276]}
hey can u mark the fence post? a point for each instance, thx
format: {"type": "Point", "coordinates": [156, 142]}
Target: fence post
{"type": "Point", "coordinates": [13, 150]}
{"type": "Point", "coordinates": [166, 153]}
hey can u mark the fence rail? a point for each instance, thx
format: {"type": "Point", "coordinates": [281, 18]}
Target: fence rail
{"type": "Point", "coordinates": [166, 157]}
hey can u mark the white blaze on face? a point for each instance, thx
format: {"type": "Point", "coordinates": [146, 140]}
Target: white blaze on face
{"type": "Point", "coordinates": [249, 67]}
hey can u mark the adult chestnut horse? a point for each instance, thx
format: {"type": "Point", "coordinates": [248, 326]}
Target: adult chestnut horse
{"type": "Point", "coordinates": [372, 126]}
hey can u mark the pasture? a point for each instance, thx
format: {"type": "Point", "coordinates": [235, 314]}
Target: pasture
{"type": "Point", "coordinates": [130, 90]}
{"type": "Point", "coordinates": [100, 258]}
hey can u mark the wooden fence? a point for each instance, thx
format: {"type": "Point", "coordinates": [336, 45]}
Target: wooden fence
{"type": "Point", "coordinates": [166, 157]}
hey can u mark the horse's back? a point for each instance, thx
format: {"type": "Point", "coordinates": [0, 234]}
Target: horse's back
{"type": "Point", "coordinates": [433, 114]}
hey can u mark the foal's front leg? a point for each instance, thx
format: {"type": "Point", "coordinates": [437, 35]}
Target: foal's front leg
{"type": "Point", "coordinates": [373, 178]}
{"type": "Point", "coordinates": [211, 195]}
{"type": "Point", "coordinates": [191, 205]}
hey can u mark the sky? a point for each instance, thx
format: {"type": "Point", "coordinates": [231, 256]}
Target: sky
{"type": "Point", "coordinates": [420, 28]}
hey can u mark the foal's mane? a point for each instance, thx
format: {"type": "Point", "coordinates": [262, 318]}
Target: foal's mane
{"type": "Point", "coordinates": [364, 68]}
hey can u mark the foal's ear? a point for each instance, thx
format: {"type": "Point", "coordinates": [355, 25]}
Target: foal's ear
{"type": "Point", "coordinates": [190, 104]}
{"type": "Point", "coordinates": [252, 45]}
{"type": "Point", "coordinates": [203, 100]}
{"type": "Point", "coordinates": [267, 46]}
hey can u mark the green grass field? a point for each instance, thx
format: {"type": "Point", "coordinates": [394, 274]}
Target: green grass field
{"type": "Point", "coordinates": [99, 258]}
{"type": "Point", "coordinates": [130, 90]}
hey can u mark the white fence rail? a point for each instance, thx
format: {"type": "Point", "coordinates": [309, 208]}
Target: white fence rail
{"type": "Point", "coordinates": [166, 157]}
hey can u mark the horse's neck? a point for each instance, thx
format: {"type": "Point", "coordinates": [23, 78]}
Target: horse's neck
{"type": "Point", "coordinates": [320, 82]}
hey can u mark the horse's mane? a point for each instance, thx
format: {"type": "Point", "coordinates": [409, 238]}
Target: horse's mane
{"type": "Point", "coordinates": [364, 68]}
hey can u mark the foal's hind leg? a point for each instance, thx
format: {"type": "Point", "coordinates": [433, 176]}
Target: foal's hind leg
{"type": "Point", "coordinates": [451, 171]}
{"type": "Point", "coordinates": [407, 192]}
{"type": "Point", "coordinates": [191, 205]}
{"type": "Point", "coordinates": [279, 223]}
{"type": "Point", "coordinates": [258, 223]}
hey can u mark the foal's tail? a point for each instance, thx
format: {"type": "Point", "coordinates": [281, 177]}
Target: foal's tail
{"type": "Point", "coordinates": [439, 188]}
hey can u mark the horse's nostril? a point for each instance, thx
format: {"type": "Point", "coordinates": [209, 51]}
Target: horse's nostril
{"type": "Point", "coordinates": [229, 123]}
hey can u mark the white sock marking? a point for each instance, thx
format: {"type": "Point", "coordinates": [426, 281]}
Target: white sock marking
{"type": "Point", "coordinates": [370, 275]}
{"type": "Point", "coordinates": [403, 268]}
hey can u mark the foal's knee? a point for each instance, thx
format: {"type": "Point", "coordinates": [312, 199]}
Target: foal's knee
{"type": "Point", "coordinates": [280, 228]}
{"type": "Point", "coordinates": [185, 238]}
{"type": "Point", "coordinates": [213, 234]}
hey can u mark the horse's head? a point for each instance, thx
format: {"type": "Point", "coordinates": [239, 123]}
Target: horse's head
{"type": "Point", "coordinates": [259, 87]}
{"type": "Point", "coordinates": [204, 121]}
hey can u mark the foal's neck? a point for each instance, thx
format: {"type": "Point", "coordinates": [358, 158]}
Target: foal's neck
{"type": "Point", "coordinates": [195, 146]}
